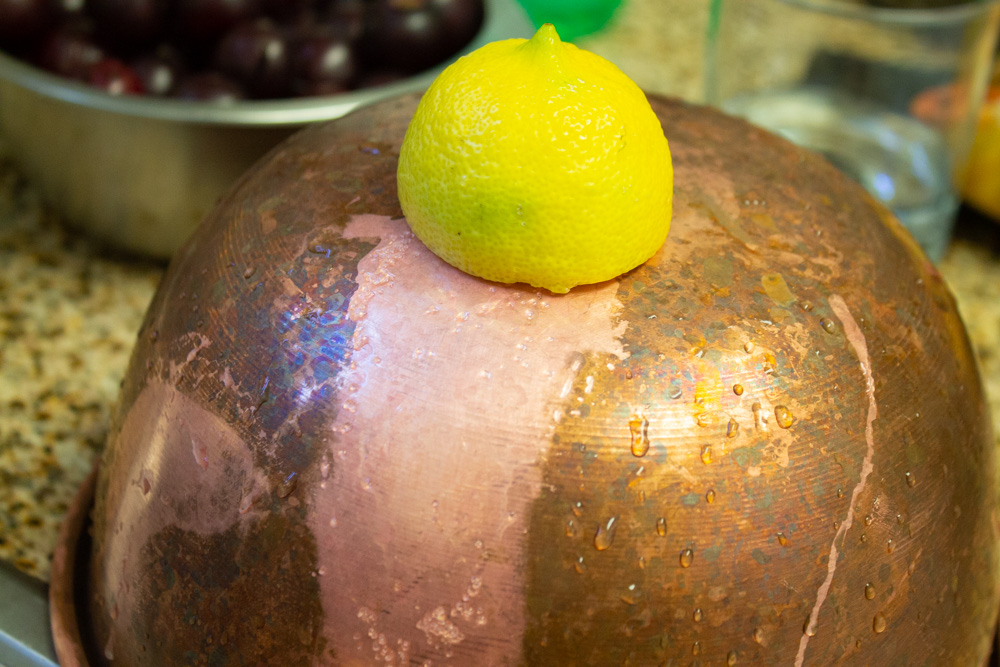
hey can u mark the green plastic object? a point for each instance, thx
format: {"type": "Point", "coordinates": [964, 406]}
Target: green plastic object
{"type": "Point", "coordinates": [572, 18]}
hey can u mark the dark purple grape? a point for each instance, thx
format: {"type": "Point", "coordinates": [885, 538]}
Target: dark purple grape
{"type": "Point", "coordinates": [323, 63]}
{"type": "Point", "coordinates": [160, 71]}
{"type": "Point", "coordinates": [208, 87]}
{"type": "Point", "coordinates": [409, 36]}
{"type": "Point", "coordinates": [115, 77]}
{"type": "Point", "coordinates": [22, 22]}
{"type": "Point", "coordinates": [256, 54]}
{"type": "Point", "coordinates": [69, 10]}
{"type": "Point", "coordinates": [348, 18]}
{"type": "Point", "coordinates": [380, 78]}
{"type": "Point", "coordinates": [286, 11]}
{"type": "Point", "coordinates": [129, 25]}
{"type": "Point", "coordinates": [70, 51]}
{"type": "Point", "coordinates": [200, 23]}
{"type": "Point", "coordinates": [461, 20]}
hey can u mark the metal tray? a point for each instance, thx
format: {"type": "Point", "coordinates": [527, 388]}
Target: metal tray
{"type": "Point", "coordinates": [25, 636]}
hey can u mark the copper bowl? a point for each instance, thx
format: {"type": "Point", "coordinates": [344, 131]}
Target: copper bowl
{"type": "Point", "coordinates": [767, 445]}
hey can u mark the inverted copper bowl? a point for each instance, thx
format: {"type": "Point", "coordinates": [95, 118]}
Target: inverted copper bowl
{"type": "Point", "coordinates": [139, 173]}
{"type": "Point", "coordinates": [767, 445]}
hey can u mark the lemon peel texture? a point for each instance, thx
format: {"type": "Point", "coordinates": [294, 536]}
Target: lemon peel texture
{"type": "Point", "coordinates": [536, 161]}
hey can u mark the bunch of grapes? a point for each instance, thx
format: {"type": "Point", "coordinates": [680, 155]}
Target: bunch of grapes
{"type": "Point", "coordinates": [236, 49]}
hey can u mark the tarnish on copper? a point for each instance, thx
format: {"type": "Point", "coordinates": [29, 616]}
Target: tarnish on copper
{"type": "Point", "coordinates": [377, 459]}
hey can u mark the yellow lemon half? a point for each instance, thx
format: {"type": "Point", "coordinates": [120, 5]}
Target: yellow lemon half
{"type": "Point", "coordinates": [535, 161]}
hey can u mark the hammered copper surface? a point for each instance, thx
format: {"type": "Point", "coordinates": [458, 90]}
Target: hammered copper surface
{"type": "Point", "coordinates": [767, 445]}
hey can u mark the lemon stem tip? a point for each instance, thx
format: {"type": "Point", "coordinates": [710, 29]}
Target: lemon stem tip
{"type": "Point", "coordinates": [546, 36]}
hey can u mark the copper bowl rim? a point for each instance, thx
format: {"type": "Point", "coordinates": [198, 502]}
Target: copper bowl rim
{"type": "Point", "coordinates": [69, 561]}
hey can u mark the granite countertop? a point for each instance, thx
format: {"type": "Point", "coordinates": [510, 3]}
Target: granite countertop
{"type": "Point", "coordinates": [68, 319]}
{"type": "Point", "coordinates": [69, 313]}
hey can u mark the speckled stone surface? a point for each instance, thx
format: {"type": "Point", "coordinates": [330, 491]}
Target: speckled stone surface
{"type": "Point", "coordinates": [68, 319]}
{"type": "Point", "coordinates": [69, 313]}
{"type": "Point", "coordinates": [972, 270]}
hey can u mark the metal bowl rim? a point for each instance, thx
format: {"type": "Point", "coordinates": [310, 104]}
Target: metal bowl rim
{"type": "Point", "coordinates": [497, 24]}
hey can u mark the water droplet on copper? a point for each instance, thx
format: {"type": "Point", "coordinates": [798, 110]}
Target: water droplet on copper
{"type": "Point", "coordinates": [869, 592]}
{"type": "Point", "coordinates": [840, 492]}
{"type": "Point", "coordinates": [578, 508]}
{"type": "Point", "coordinates": [782, 540]}
{"type": "Point", "coordinates": [200, 452]}
{"type": "Point", "coordinates": [783, 416]}
{"type": "Point", "coordinates": [748, 346]}
{"type": "Point", "coordinates": [579, 566]}
{"type": "Point", "coordinates": [868, 519]}
{"type": "Point", "coordinates": [864, 538]}
{"type": "Point", "coordinates": [899, 519]}
{"type": "Point", "coordinates": [732, 429]}
{"type": "Point", "coordinates": [879, 623]}
{"type": "Point", "coordinates": [631, 595]}
{"type": "Point", "coordinates": [910, 480]}
{"type": "Point", "coordinates": [246, 502]}
{"type": "Point", "coordinates": [731, 658]}
{"type": "Point", "coordinates": [758, 635]}
{"type": "Point", "coordinates": [706, 454]}
{"type": "Point", "coordinates": [807, 629]}
{"type": "Point", "coordinates": [696, 648]}
{"type": "Point", "coordinates": [698, 615]}
{"type": "Point", "coordinates": [287, 485]}
{"type": "Point", "coordinates": [738, 389]}
{"type": "Point", "coordinates": [710, 496]}
{"type": "Point", "coordinates": [571, 529]}
{"type": "Point", "coordinates": [248, 273]}
{"type": "Point", "coordinates": [661, 527]}
{"type": "Point", "coordinates": [686, 558]}
{"type": "Point", "coordinates": [324, 466]}
{"type": "Point", "coordinates": [605, 534]}
{"type": "Point", "coordinates": [638, 427]}
{"type": "Point", "coordinates": [674, 392]}
{"type": "Point", "coordinates": [890, 546]}
{"type": "Point", "coordinates": [828, 325]}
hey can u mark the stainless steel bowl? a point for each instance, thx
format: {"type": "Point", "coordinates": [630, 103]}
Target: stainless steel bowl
{"type": "Point", "coordinates": [140, 173]}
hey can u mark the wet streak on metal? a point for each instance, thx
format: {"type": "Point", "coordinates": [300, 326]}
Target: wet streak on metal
{"type": "Point", "coordinates": [689, 315]}
{"type": "Point", "coordinates": [269, 285]}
